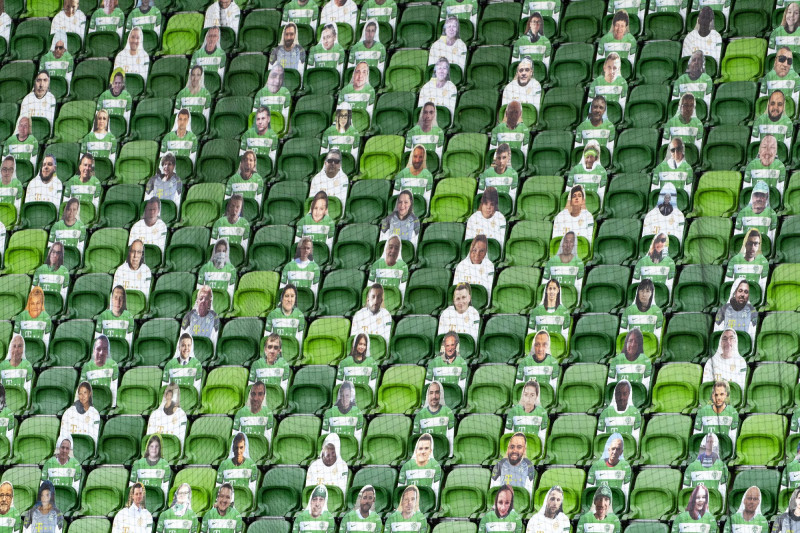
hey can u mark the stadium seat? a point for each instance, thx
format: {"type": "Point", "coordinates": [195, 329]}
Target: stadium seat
{"type": "Point", "coordinates": [187, 250]}
{"type": "Point", "coordinates": [528, 243]}
{"type": "Point", "coordinates": [570, 441]}
{"type": "Point", "coordinates": [760, 440]}
{"type": "Point", "coordinates": [744, 60]}
{"type": "Point", "coordinates": [686, 337]}
{"type": "Point", "coordinates": [224, 391]}
{"type": "Point", "coordinates": [71, 345]}
{"type": "Point", "coordinates": [120, 441]}
{"type": "Point", "coordinates": [400, 390]}
{"type": "Point", "coordinates": [406, 69]}
{"type": "Point", "coordinates": [413, 340]}
{"type": "Point", "coordinates": [697, 287]}
{"type": "Point", "coordinates": [452, 199]}
{"type": "Point", "coordinates": [561, 108]}
{"type": "Point", "coordinates": [464, 492]}
{"type": "Point", "coordinates": [136, 162]}
{"type": "Point", "coordinates": [385, 442]}
{"type": "Point", "coordinates": [203, 205]}
{"type": "Point", "coordinates": [490, 389]}
{"type": "Point", "coordinates": [255, 294]}
{"type": "Point", "coordinates": [725, 147]}
{"type": "Point", "coordinates": [54, 391]}
{"type": "Point", "coordinates": [120, 206]}
{"type": "Point", "coordinates": [280, 491]}
{"type": "Point", "coordinates": [207, 442]}
{"type": "Point", "coordinates": [571, 65]}
{"type": "Point", "coordinates": [295, 440]}
{"type": "Point", "coordinates": [477, 439]}
{"type": "Point", "coordinates": [635, 151]}
{"type": "Point", "coordinates": [138, 390]}
{"type": "Point", "coordinates": [782, 288]}
{"type": "Point", "coordinates": [655, 494]}
{"type": "Point", "coordinates": [381, 157]}
{"type": "Point", "coordinates": [239, 342]}
{"type": "Point", "coordinates": [717, 194]}
{"type": "Point", "coordinates": [616, 242]}
{"type": "Point", "coordinates": [326, 341]}
{"type": "Point", "coordinates": [104, 491]}
{"type": "Point", "coordinates": [89, 296]}
{"type": "Point", "coordinates": [581, 22]}
{"type": "Point", "coordinates": [155, 342]}
{"type": "Point", "coordinates": [426, 291]}
{"type": "Point", "coordinates": [706, 241]}
{"type": "Point", "coordinates": [777, 338]}
{"type": "Point", "coordinates": [230, 117]}
{"type": "Point", "coordinates": [767, 480]}
{"type": "Point", "coordinates": [340, 293]}
{"type": "Point", "coordinates": [182, 34]}
{"type": "Point", "coordinates": [171, 296]}
{"type": "Point", "coordinates": [658, 63]}
{"type": "Point", "coordinates": [593, 338]}
{"type": "Point", "coordinates": [515, 290]}
{"type": "Point", "coordinates": [488, 67]}
{"type": "Point", "coordinates": [476, 111]}
{"type": "Point", "coordinates": [646, 105]}
{"type": "Point", "coordinates": [676, 388]}
{"type": "Point", "coordinates": [311, 389]}
{"type": "Point", "coordinates": [30, 41]}
{"type": "Point", "coordinates": [734, 103]}
{"type": "Point", "coordinates": [14, 290]}
{"type": "Point", "coordinates": [665, 440]}
{"type": "Point", "coordinates": [571, 481]}
{"type": "Point", "coordinates": [25, 252]}
{"type": "Point", "coordinates": [355, 246]}
{"type": "Point", "coordinates": [35, 440]}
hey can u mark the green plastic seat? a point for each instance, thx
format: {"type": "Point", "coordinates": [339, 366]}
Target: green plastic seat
{"type": "Point", "coordinates": [665, 440]}
{"type": "Point", "coordinates": [239, 341]}
{"type": "Point", "coordinates": [89, 296]}
{"type": "Point", "coordinates": [90, 525]}
{"type": "Point", "coordinates": [654, 495]}
{"type": "Point", "coordinates": [476, 111]}
{"type": "Point", "coordinates": [340, 292]}
{"type": "Point", "coordinates": [14, 290]}
{"type": "Point", "coordinates": [406, 68]}
{"type": "Point", "coordinates": [571, 481]}
{"type": "Point", "coordinates": [636, 150]}
{"type": "Point", "coordinates": [182, 34]}
{"type": "Point", "coordinates": [156, 341]}
{"type": "Point", "coordinates": [394, 112]}
{"type": "Point", "coordinates": [581, 22]}
{"type": "Point", "coordinates": [120, 440]}
{"type": "Point", "coordinates": [488, 66]}
{"type": "Point", "coordinates": [477, 439]}
{"type": "Point", "coordinates": [312, 115]}
{"type": "Point", "coordinates": [616, 242]}
{"type": "Point", "coordinates": [503, 339]}
{"type": "Point", "coordinates": [386, 442]}
{"type": "Point", "coordinates": [207, 442]}
{"type": "Point", "coordinates": [31, 39]}
{"type": "Point", "coordinates": [605, 288]}
{"type": "Point", "coordinates": [725, 147]}
{"type": "Point", "coordinates": [311, 389]}
{"type": "Point", "coordinates": [203, 205]}
{"type": "Point", "coordinates": [717, 194]}
{"type": "Point", "coordinates": [593, 338]}
{"type": "Point", "coordinates": [452, 200]}
{"type": "Point", "coordinates": [224, 391]}
{"type": "Point", "coordinates": [230, 117]}
{"type": "Point", "coordinates": [561, 108]}
{"type": "Point", "coordinates": [138, 391]}
{"type": "Point", "coordinates": [171, 296]}
{"type": "Point", "coordinates": [284, 205]}
{"type": "Point", "coordinates": [767, 480]}
{"type": "Point", "coordinates": [515, 290]}
{"type": "Point", "coordinates": [54, 391]}
{"type": "Point", "coordinates": [217, 160]}
{"type": "Point", "coordinates": [658, 62]}
{"type": "Point", "coordinates": [744, 60]}
{"type": "Point", "coordinates": [647, 105]}
{"type": "Point", "coordinates": [582, 389]}
{"type": "Point", "coordinates": [413, 339]}
{"type": "Point", "coordinates": [167, 76]}
{"type": "Point", "coordinates": [777, 337]}
{"type": "Point", "coordinates": [571, 65]}
{"type": "Point", "coordinates": [676, 388]}
{"type": "Point", "coordinates": [280, 491]}
{"type": "Point", "coordinates": [299, 159]}
{"type": "Point", "coordinates": [25, 251]}
{"type": "Point", "coordinates": [104, 491]}
{"type": "Point", "coordinates": [771, 388]}
{"type": "Point", "coordinates": [295, 440]}
{"type": "Point", "coordinates": [326, 341]}
{"type": "Point", "coordinates": [381, 157]}
{"type": "Point", "coordinates": [120, 206]}
{"type": "Point", "coordinates": [697, 287]}
{"type": "Point", "coordinates": [549, 154]}
{"type": "Point", "coordinates": [355, 246]}
{"type": "Point", "coordinates": [259, 31]}
{"type": "Point", "coordinates": [782, 290]}
{"type": "Point", "coordinates": [464, 492]}
{"type": "Point", "coordinates": [490, 389]}
{"type": "Point", "coordinates": [463, 155]}
{"type": "Point", "coordinates": [427, 290]}
{"type": "Point", "coordinates": [187, 249]}
{"type": "Point", "coordinates": [73, 123]}
{"type": "Point", "coordinates": [244, 75]}
{"type": "Point", "coordinates": [686, 337]}
{"type": "Point", "coordinates": [151, 119]}
{"type": "Point", "coordinates": [570, 442]}
{"type": "Point", "coordinates": [255, 294]}
{"type": "Point", "coordinates": [383, 480]}
{"type": "Point", "coordinates": [400, 390]}
{"type": "Point", "coordinates": [707, 241]}
{"type": "Point", "coordinates": [71, 344]}
{"type": "Point", "coordinates": [136, 162]}
{"type": "Point", "coordinates": [760, 440]}
{"type": "Point", "coordinates": [734, 103]}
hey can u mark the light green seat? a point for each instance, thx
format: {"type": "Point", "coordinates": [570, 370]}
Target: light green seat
{"type": "Point", "coordinates": [255, 294]}
{"type": "Point", "coordinates": [655, 494]}
{"type": "Point", "coordinates": [477, 439]}
{"type": "Point", "coordinates": [401, 389]}
{"type": "Point", "coordinates": [760, 440]}
{"type": "Point", "coordinates": [25, 251]}
{"type": "Point", "coordinates": [104, 492]}
{"type": "Point", "coordinates": [224, 390]}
